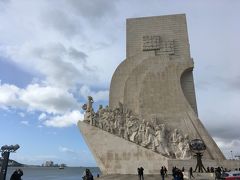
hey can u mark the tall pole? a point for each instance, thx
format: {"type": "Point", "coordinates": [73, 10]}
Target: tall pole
{"type": "Point", "coordinates": [231, 154]}
{"type": "Point", "coordinates": [5, 156]}
{"type": "Point", "coordinates": [6, 150]}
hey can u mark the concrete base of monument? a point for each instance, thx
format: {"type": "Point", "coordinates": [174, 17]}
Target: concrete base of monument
{"type": "Point", "coordinates": [200, 176]}
{"type": "Point", "coordinates": [115, 155]}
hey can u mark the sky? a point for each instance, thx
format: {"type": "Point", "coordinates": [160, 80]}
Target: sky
{"type": "Point", "coordinates": [53, 54]}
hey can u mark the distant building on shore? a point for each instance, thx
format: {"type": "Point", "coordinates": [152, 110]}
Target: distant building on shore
{"type": "Point", "coordinates": [48, 164]}
{"type": "Point", "coordinates": [51, 164]}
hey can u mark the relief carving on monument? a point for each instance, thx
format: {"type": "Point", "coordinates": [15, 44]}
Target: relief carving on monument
{"type": "Point", "coordinates": [155, 43]}
{"type": "Point", "coordinates": [151, 43]}
{"type": "Point", "coordinates": [123, 123]}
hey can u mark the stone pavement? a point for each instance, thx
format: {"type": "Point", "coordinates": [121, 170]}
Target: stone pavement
{"type": "Point", "coordinates": [132, 177]}
{"type": "Point", "coordinates": [198, 176]}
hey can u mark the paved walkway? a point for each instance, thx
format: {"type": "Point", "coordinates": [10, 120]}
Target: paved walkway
{"type": "Point", "coordinates": [132, 177]}
{"type": "Point", "coordinates": [198, 176]}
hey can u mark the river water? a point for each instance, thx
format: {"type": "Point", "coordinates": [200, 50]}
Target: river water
{"type": "Point", "coordinates": [52, 173]}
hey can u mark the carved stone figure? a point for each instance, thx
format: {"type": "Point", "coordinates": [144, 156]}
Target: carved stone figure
{"type": "Point", "coordinates": [121, 126]}
{"type": "Point", "coordinates": [111, 127]}
{"type": "Point", "coordinates": [133, 128]}
{"type": "Point", "coordinates": [141, 131]}
{"type": "Point", "coordinates": [128, 131]}
{"type": "Point", "coordinates": [186, 154]}
{"type": "Point", "coordinates": [161, 135]}
{"type": "Point", "coordinates": [104, 120]}
{"type": "Point", "coordinates": [149, 137]}
{"type": "Point", "coordinates": [122, 122]}
{"type": "Point", "coordinates": [180, 148]}
{"type": "Point", "coordinates": [100, 111]}
{"type": "Point", "coordinates": [89, 112]}
{"type": "Point", "coordinates": [174, 140]}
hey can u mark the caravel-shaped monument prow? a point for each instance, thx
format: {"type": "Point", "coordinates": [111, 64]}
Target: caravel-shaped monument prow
{"type": "Point", "coordinates": [156, 78]}
{"type": "Point", "coordinates": [152, 113]}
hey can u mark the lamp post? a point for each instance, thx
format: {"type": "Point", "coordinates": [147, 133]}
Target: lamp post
{"type": "Point", "coordinates": [6, 150]}
{"type": "Point", "coordinates": [231, 155]}
{"type": "Point", "coordinates": [198, 147]}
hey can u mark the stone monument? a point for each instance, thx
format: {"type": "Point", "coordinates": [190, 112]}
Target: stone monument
{"type": "Point", "coordinates": [152, 114]}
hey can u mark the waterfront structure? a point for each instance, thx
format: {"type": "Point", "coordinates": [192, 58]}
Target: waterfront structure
{"type": "Point", "coordinates": [152, 114]}
{"type": "Point", "coordinates": [49, 164]}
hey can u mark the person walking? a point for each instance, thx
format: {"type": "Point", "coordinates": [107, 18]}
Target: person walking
{"type": "Point", "coordinates": [191, 173]}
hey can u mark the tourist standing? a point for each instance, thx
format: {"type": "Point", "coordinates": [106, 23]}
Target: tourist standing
{"type": "Point", "coordinates": [17, 174]}
{"type": "Point", "coordinates": [140, 173]}
{"type": "Point", "coordinates": [165, 171]}
{"type": "Point", "coordinates": [162, 173]}
{"type": "Point", "coordinates": [174, 173]}
{"type": "Point", "coordinates": [191, 172]}
{"type": "Point", "coordinates": [87, 175]}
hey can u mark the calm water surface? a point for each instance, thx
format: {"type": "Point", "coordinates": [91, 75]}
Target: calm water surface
{"type": "Point", "coordinates": [52, 173]}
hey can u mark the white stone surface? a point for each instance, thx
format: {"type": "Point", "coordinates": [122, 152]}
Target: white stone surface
{"type": "Point", "coordinates": [155, 79]}
{"type": "Point", "coordinates": [162, 84]}
{"type": "Point", "coordinates": [115, 155]}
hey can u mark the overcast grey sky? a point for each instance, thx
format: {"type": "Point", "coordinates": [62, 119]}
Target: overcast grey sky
{"type": "Point", "coordinates": [55, 53]}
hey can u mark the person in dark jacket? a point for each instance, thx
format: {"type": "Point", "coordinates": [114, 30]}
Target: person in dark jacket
{"type": "Point", "coordinates": [17, 174]}
{"type": "Point", "coordinates": [140, 173]}
{"type": "Point", "coordinates": [162, 173]}
{"type": "Point", "coordinates": [191, 172]}
{"type": "Point", "coordinates": [88, 175]}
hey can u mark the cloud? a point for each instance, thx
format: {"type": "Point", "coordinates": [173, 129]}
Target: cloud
{"type": "Point", "coordinates": [48, 99]}
{"type": "Point", "coordinates": [233, 83]}
{"type": "Point", "coordinates": [66, 120]}
{"type": "Point", "coordinates": [61, 21]}
{"type": "Point", "coordinates": [223, 131]}
{"type": "Point", "coordinates": [3, 4]}
{"type": "Point", "coordinates": [4, 1]}
{"type": "Point", "coordinates": [66, 150]}
{"type": "Point", "coordinates": [25, 123]}
{"type": "Point", "coordinates": [21, 114]}
{"type": "Point", "coordinates": [93, 10]}
{"type": "Point", "coordinates": [36, 97]}
{"type": "Point", "coordinates": [101, 95]}
{"type": "Point", "coordinates": [42, 116]}
{"type": "Point", "coordinates": [229, 147]}
{"type": "Point", "coordinates": [9, 96]}
{"type": "Point", "coordinates": [59, 65]}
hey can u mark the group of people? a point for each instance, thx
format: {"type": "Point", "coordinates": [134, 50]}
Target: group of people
{"type": "Point", "coordinates": [150, 133]}
{"type": "Point", "coordinates": [177, 173]}
{"type": "Point", "coordinates": [163, 173]}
